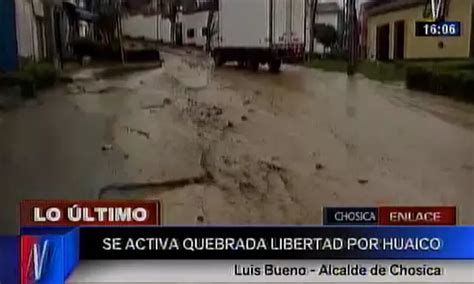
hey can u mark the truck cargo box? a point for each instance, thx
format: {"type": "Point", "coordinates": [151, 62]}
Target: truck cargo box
{"type": "Point", "coordinates": [254, 32]}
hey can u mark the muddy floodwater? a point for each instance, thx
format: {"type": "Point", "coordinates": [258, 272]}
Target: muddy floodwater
{"type": "Point", "coordinates": [228, 146]}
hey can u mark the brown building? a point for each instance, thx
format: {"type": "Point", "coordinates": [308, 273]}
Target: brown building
{"type": "Point", "coordinates": [391, 31]}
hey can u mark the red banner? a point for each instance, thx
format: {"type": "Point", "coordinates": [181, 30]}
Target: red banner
{"type": "Point", "coordinates": [404, 216]}
{"type": "Point", "coordinates": [88, 213]}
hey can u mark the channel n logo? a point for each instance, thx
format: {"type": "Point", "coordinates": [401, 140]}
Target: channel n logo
{"type": "Point", "coordinates": [38, 260]}
{"type": "Point", "coordinates": [435, 10]}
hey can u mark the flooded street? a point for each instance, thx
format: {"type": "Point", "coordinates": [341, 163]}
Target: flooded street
{"type": "Point", "coordinates": [236, 147]}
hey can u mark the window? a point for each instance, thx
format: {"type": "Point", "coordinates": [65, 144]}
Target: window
{"type": "Point", "coordinates": [190, 33]}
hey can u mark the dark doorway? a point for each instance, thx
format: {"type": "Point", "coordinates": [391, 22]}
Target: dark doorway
{"type": "Point", "coordinates": [383, 42]}
{"type": "Point", "coordinates": [399, 52]}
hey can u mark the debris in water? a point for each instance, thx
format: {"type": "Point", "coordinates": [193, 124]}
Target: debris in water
{"type": "Point", "coordinates": [230, 124]}
{"type": "Point", "coordinates": [139, 132]}
{"type": "Point", "coordinates": [274, 165]}
{"type": "Point", "coordinates": [126, 156]}
{"type": "Point", "coordinates": [226, 160]}
{"type": "Point", "coordinates": [200, 219]}
{"type": "Point", "coordinates": [319, 166]}
{"type": "Point", "coordinates": [66, 79]}
{"type": "Point", "coordinates": [166, 101]}
{"type": "Point", "coordinates": [104, 90]}
{"type": "Point", "coordinates": [151, 107]}
{"type": "Point", "coordinates": [244, 118]}
{"type": "Point", "coordinates": [363, 181]}
{"type": "Point", "coordinates": [246, 102]}
{"type": "Point", "coordinates": [468, 167]}
{"type": "Point", "coordinates": [217, 110]}
{"type": "Point", "coordinates": [107, 147]}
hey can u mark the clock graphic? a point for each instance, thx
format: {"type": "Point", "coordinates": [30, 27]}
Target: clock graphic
{"type": "Point", "coordinates": [436, 29]}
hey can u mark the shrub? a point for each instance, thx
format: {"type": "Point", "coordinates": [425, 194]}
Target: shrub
{"type": "Point", "coordinates": [22, 79]}
{"type": "Point", "coordinates": [418, 78]}
{"type": "Point", "coordinates": [43, 74]}
{"type": "Point", "coordinates": [457, 83]}
{"type": "Point", "coordinates": [33, 76]}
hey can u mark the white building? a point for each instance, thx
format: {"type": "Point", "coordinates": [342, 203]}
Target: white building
{"type": "Point", "coordinates": [142, 26]}
{"type": "Point", "coordinates": [195, 28]}
{"type": "Point", "coordinates": [165, 30]}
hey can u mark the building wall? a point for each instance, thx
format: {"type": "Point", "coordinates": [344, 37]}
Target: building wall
{"type": "Point", "coordinates": [141, 26]}
{"type": "Point", "coordinates": [424, 47]}
{"type": "Point", "coordinates": [195, 21]}
{"type": "Point", "coordinates": [30, 29]}
{"type": "Point", "coordinates": [165, 30]}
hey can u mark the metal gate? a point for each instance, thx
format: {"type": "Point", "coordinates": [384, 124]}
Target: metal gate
{"type": "Point", "coordinates": [8, 44]}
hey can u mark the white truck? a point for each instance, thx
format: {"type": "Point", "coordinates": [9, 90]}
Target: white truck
{"type": "Point", "coordinates": [255, 32]}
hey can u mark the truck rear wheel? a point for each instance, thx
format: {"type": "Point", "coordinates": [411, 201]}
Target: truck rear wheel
{"type": "Point", "coordinates": [253, 64]}
{"type": "Point", "coordinates": [275, 65]}
{"type": "Point", "coordinates": [219, 59]}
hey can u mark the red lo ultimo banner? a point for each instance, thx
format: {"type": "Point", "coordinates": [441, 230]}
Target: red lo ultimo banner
{"type": "Point", "coordinates": [88, 213]}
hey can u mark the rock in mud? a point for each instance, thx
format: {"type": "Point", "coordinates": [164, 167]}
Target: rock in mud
{"type": "Point", "coordinates": [107, 147]}
{"type": "Point", "coordinates": [200, 219]}
{"type": "Point", "coordinates": [167, 101]}
{"type": "Point", "coordinates": [217, 110]}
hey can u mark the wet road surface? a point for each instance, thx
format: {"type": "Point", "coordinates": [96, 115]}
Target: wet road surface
{"type": "Point", "coordinates": [240, 147]}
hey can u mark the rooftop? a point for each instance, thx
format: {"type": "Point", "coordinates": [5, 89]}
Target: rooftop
{"type": "Point", "coordinates": [330, 7]}
{"type": "Point", "coordinates": [392, 5]}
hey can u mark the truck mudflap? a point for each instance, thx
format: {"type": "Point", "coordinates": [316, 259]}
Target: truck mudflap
{"type": "Point", "coordinates": [289, 52]}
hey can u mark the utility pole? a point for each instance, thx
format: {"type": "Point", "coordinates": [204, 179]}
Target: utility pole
{"type": "Point", "coordinates": [120, 32]}
{"type": "Point", "coordinates": [313, 6]}
{"type": "Point", "coordinates": [353, 35]}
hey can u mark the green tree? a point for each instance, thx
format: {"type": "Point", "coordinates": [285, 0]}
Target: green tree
{"type": "Point", "coordinates": [326, 35]}
{"type": "Point", "coordinates": [108, 19]}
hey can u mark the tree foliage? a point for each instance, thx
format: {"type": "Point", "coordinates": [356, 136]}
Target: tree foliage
{"type": "Point", "coordinates": [325, 34]}
{"type": "Point", "coordinates": [108, 14]}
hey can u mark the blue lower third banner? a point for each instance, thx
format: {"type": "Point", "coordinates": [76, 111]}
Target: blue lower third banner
{"type": "Point", "coordinates": [284, 242]}
{"type": "Point", "coordinates": [50, 255]}
{"type": "Point", "coordinates": [10, 259]}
